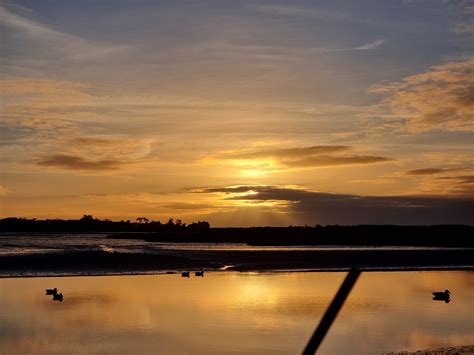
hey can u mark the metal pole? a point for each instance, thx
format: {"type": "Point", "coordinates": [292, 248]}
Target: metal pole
{"type": "Point", "coordinates": [331, 312]}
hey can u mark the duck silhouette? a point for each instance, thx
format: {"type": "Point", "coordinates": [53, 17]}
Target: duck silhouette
{"type": "Point", "coordinates": [58, 297]}
{"type": "Point", "coordinates": [442, 296]}
{"type": "Point", "coordinates": [199, 273]}
{"type": "Point", "coordinates": [185, 274]}
{"type": "Point", "coordinates": [51, 291]}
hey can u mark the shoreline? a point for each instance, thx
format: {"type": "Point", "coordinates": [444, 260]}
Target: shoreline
{"type": "Point", "coordinates": [101, 263]}
{"type": "Point", "coordinates": [378, 235]}
{"type": "Point", "coordinates": [249, 271]}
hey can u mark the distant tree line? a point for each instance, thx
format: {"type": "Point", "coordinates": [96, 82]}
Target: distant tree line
{"type": "Point", "coordinates": [89, 224]}
{"type": "Point", "coordinates": [178, 231]}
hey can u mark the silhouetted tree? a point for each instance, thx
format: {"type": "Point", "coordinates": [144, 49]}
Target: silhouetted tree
{"type": "Point", "coordinates": [179, 223]}
{"type": "Point", "coordinates": [199, 226]}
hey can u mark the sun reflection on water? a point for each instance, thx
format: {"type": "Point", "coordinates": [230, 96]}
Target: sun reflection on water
{"type": "Point", "coordinates": [233, 312]}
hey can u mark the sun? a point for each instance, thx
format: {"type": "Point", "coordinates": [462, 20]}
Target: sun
{"type": "Point", "coordinates": [255, 168]}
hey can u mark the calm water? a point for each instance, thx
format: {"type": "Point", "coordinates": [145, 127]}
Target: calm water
{"type": "Point", "coordinates": [234, 313]}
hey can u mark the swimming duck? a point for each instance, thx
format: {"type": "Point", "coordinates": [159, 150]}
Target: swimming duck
{"type": "Point", "coordinates": [442, 296]}
{"type": "Point", "coordinates": [199, 273]}
{"type": "Point", "coordinates": [185, 274]}
{"type": "Point", "coordinates": [58, 297]}
{"type": "Point", "coordinates": [51, 291]}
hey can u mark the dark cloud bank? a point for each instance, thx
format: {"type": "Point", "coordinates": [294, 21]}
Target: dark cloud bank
{"type": "Point", "coordinates": [313, 207]}
{"type": "Point", "coordinates": [73, 162]}
{"type": "Point", "coordinates": [431, 171]}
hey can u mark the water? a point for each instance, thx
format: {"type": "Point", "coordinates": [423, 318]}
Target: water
{"type": "Point", "coordinates": [32, 244]}
{"type": "Point", "coordinates": [227, 312]}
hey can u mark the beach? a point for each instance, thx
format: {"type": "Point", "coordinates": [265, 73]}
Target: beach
{"type": "Point", "coordinates": [51, 255]}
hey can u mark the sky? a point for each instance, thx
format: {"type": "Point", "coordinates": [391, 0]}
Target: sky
{"type": "Point", "coordinates": [241, 113]}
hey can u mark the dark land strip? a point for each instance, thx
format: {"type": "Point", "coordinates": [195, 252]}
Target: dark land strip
{"type": "Point", "coordinates": [99, 262]}
{"type": "Point", "coordinates": [201, 232]}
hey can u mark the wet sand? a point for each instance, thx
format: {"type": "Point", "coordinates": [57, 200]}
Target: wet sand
{"type": "Point", "coordinates": [101, 262]}
{"type": "Point", "coordinates": [452, 350]}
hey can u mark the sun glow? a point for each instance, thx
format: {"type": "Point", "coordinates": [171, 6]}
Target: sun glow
{"type": "Point", "coordinates": [254, 168]}
{"type": "Point", "coordinates": [257, 293]}
{"type": "Point", "coordinates": [253, 173]}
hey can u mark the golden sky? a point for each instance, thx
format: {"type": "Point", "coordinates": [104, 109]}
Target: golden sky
{"type": "Point", "coordinates": [239, 113]}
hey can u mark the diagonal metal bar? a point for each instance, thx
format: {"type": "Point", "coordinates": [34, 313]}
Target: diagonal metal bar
{"type": "Point", "coordinates": [331, 312]}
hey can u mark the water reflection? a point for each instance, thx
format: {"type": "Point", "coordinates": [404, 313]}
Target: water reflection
{"type": "Point", "coordinates": [234, 313]}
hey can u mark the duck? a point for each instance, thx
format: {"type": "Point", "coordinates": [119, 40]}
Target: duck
{"type": "Point", "coordinates": [185, 274]}
{"type": "Point", "coordinates": [199, 273]}
{"type": "Point", "coordinates": [446, 293]}
{"type": "Point", "coordinates": [442, 296]}
{"type": "Point", "coordinates": [58, 297]}
{"type": "Point", "coordinates": [51, 291]}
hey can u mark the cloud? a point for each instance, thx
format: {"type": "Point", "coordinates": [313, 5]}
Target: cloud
{"type": "Point", "coordinates": [290, 153]}
{"type": "Point", "coordinates": [34, 86]}
{"type": "Point", "coordinates": [431, 171]}
{"type": "Point", "coordinates": [364, 47]}
{"type": "Point", "coordinates": [46, 109]}
{"type": "Point", "coordinates": [462, 185]}
{"type": "Point", "coordinates": [466, 22]}
{"type": "Point", "coordinates": [370, 45]}
{"type": "Point", "coordinates": [188, 206]}
{"type": "Point", "coordinates": [440, 98]}
{"type": "Point", "coordinates": [229, 189]}
{"type": "Point", "coordinates": [4, 191]}
{"type": "Point", "coordinates": [91, 141]}
{"type": "Point", "coordinates": [309, 206]}
{"type": "Point", "coordinates": [313, 161]}
{"type": "Point", "coordinates": [25, 35]}
{"type": "Point", "coordinates": [10, 19]}
{"type": "Point", "coordinates": [78, 163]}
{"type": "Point", "coordinates": [108, 153]}
{"type": "Point", "coordinates": [44, 114]}
{"type": "Point", "coordinates": [451, 181]}
{"type": "Point", "coordinates": [305, 157]}
{"type": "Point", "coordinates": [122, 147]}
{"type": "Point", "coordinates": [464, 179]}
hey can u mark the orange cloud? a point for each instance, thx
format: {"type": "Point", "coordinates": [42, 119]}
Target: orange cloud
{"type": "Point", "coordinates": [431, 171]}
{"type": "Point", "coordinates": [4, 191]}
{"type": "Point", "coordinates": [28, 86]}
{"type": "Point", "coordinates": [78, 163]}
{"type": "Point", "coordinates": [304, 157]}
{"type": "Point", "coordinates": [458, 185]}
{"type": "Point", "coordinates": [97, 153]}
{"type": "Point", "coordinates": [441, 98]}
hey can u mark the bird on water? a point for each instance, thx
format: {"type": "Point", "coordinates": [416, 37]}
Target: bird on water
{"type": "Point", "coordinates": [442, 296]}
{"type": "Point", "coordinates": [51, 291]}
